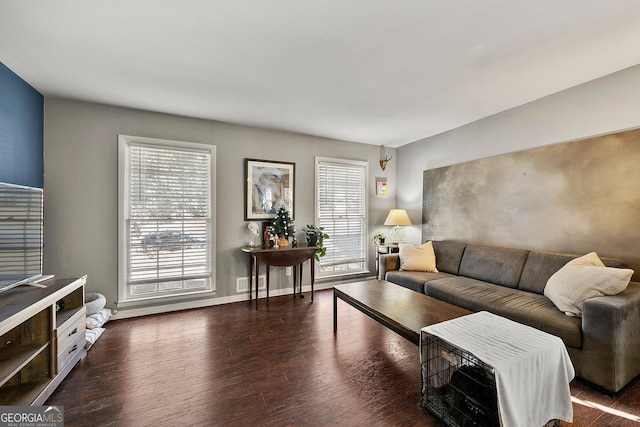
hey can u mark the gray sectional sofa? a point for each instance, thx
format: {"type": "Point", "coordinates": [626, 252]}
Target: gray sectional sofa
{"type": "Point", "coordinates": [604, 345]}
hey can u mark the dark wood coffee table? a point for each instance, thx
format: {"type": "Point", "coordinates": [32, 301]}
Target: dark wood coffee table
{"type": "Point", "coordinates": [400, 309]}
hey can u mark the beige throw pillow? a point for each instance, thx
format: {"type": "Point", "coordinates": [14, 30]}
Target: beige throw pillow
{"type": "Point", "coordinates": [417, 258]}
{"type": "Point", "coordinates": [583, 278]}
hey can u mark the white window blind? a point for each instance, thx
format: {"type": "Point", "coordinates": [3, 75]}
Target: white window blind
{"type": "Point", "coordinates": [21, 232]}
{"type": "Point", "coordinates": [341, 210]}
{"type": "Point", "coordinates": [168, 222]}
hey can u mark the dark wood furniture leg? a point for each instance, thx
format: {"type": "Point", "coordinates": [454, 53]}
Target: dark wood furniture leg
{"type": "Point", "coordinates": [313, 275]}
{"type": "Point", "coordinates": [257, 279]}
{"type": "Point", "coordinates": [268, 268]}
{"type": "Point", "coordinates": [335, 311]}
{"type": "Point", "coordinates": [295, 279]}
{"type": "Point", "coordinates": [251, 260]}
{"type": "Point", "coordinates": [301, 264]}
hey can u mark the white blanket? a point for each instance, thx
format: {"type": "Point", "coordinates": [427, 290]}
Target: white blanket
{"type": "Point", "coordinates": [92, 336]}
{"type": "Point", "coordinates": [98, 319]}
{"type": "Point", "coordinates": [532, 368]}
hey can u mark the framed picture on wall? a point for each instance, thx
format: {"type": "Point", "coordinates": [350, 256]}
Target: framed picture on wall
{"type": "Point", "coordinates": [268, 186]}
{"type": "Point", "coordinates": [382, 187]}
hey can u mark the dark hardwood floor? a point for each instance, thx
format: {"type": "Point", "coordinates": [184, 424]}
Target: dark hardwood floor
{"type": "Point", "coordinates": [281, 365]}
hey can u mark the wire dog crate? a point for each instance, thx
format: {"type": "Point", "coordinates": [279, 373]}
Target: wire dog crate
{"type": "Point", "coordinates": [457, 388]}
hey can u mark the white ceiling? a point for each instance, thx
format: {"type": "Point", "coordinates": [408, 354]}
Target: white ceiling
{"type": "Point", "coordinates": [371, 71]}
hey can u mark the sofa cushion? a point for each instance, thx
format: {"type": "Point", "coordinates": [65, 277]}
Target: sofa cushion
{"type": "Point", "coordinates": [521, 306]}
{"type": "Point", "coordinates": [413, 280]}
{"type": "Point", "coordinates": [584, 278]}
{"type": "Point", "coordinates": [417, 258]}
{"type": "Point", "coordinates": [540, 266]}
{"type": "Point", "coordinates": [448, 255]}
{"type": "Point", "coordinates": [502, 266]}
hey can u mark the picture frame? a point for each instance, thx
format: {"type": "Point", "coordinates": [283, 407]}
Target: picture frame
{"type": "Point", "coordinates": [382, 187]}
{"type": "Point", "coordinates": [269, 184]}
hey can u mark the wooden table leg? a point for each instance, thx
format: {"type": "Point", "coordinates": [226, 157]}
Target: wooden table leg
{"type": "Point", "coordinates": [295, 279]}
{"type": "Point", "coordinates": [301, 264]}
{"type": "Point", "coordinates": [313, 275]}
{"type": "Point", "coordinates": [335, 312]}
{"type": "Point", "coordinates": [250, 277]}
{"type": "Point", "coordinates": [257, 279]}
{"type": "Point", "coordinates": [268, 268]}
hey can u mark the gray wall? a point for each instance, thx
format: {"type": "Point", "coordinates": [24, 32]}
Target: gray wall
{"type": "Point", "coordinates": [575, 197]}
{"type": "Point", "coordinates": [81, 168]}
{"type": "Point", "coordinates": [81, 186]}
{"type": "Point", "coordinates": [607, 105]}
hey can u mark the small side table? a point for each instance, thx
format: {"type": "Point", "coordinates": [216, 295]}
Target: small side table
{"type": "Point", "coordinates": [281, 257]}
{"type": "Point", "coordinates": [382, 250]}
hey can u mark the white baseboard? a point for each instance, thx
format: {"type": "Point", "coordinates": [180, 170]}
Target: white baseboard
{"type": "Point", "coordinates": [208, 302]}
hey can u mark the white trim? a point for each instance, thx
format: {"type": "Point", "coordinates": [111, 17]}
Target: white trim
{"type": "Point", "coordinates": [167, 308]}
{"type": "Point", "coordinates": [125, 141]}
{"type": "Point", "coordinates": [352, 162]}
{"type": "Point", "coordinates": [163, 299]}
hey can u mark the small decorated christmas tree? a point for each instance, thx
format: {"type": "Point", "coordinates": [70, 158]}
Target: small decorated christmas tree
{"type": "Point", "coordinates": [283, 224]}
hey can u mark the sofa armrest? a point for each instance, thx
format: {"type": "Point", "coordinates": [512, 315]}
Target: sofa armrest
{"type": "Point", "coordinates": [388, 262]}
{"type": "Point", "coordinates": [611, 338]}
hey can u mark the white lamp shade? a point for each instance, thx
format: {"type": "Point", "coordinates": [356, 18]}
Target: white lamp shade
{"type": "Point", "coordinates": [397, 217]}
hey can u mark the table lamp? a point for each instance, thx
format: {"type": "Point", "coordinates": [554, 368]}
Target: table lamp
{"type": "Point", "coordinates": [397, 218]}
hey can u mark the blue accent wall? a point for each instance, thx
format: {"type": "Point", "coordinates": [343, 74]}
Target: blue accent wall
{"type": "Point", "coordinates": [21, 131]}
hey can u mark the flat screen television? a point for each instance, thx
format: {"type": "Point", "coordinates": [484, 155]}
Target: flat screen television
{"type": "Point", "coordinates": [21, 235]}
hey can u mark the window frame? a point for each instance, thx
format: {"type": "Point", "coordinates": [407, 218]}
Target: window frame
{"type": "Point", "coordinates": [125, 142]}
{"type": "Point", "coordinates": [365, 218]}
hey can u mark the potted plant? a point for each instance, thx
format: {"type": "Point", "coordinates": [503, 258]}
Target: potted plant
{"type": "Point", "coordinates": [283, 227]}
{"type": "Point", "coordinates": [316, 236]}
{"type": "Point", "coordinates": [379, 238]}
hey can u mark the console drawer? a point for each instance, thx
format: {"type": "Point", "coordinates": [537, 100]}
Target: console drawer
{"type": "Point", "coordinates": [70, 329]}
{"type": "Point", "coordinates": [71, 350]}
